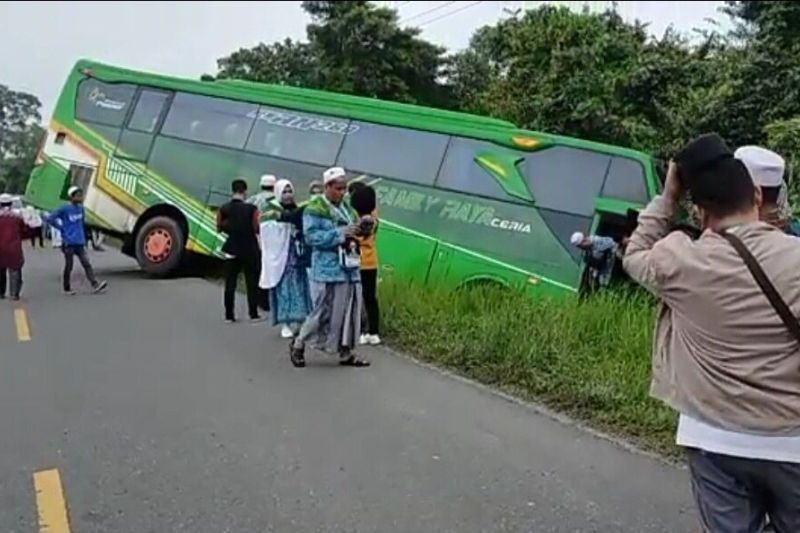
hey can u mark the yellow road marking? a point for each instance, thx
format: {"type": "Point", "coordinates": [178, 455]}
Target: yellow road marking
{"type": "Point", "coordinates": [23, 327]}
{"type": "Point", "coordinates": [50, 502]}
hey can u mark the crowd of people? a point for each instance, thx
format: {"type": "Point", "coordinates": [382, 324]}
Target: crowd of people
{"type": "Point", "coordinates": [67, 228]}
{"type": "Point", "coordinates": [726, 352]}
{"type": "Point", "coordinates": [313, 265]}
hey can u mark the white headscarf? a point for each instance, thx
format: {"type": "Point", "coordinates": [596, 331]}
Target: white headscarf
{"type": "Point", "coordinates": [275, 241]}
{"type": "Point", "coordinates": [280, 187]}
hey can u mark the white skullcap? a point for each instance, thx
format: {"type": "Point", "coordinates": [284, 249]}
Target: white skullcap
{"type": "Point", "coordinates": [72, 190]}
{"type": "Point", "coordinates": [333, 174]}
{"type": "Point", "coordinates": [765, 166]}
{"type": "Point", "coordinates": [6, 198]}
{"type": "Point", "coordinates": [576, 238]}
{"type": "Point", "coordinates": [268, 180]}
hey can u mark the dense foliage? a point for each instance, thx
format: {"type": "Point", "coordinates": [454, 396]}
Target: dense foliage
{"type": "Point", "coordinates": [594, 76]}
{"type": "Point", "coordinates": [19, 137]}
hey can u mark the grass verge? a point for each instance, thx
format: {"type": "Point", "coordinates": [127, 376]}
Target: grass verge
{"type": "Point", "coordinates": [588, 359]}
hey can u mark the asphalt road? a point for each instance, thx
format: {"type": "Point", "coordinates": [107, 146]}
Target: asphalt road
{"type": "Point", "coordinates": [159, 418]}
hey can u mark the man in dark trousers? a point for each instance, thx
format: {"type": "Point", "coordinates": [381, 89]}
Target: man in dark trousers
{"type": "Point", "coordinates": [70, 219]}
{"type": "Point", "coordinates": [12, 231]}
{"type": "Point", "coordinates": [240, 221]}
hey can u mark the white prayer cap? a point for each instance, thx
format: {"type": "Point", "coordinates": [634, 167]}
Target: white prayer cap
{"type": "Point", "coordinates": [577, 238]}
{"type": "Point", "coordinates": [333, 174]}
{"type": "Point", "coordinates": [268, 180]}
{"type": "Point", "coordinates": [765, 166]}
{"type": "Point", "coordinates": [6, 199]}
{"type": "Point", "coordinates": [72, 190]}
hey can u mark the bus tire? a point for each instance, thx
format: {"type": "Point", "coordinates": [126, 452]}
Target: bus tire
{"type": "Point", "coordinates": [159, 247]}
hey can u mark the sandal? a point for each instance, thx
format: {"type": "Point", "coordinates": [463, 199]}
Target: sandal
{"type": "Point", "coordinates": [354, 361]}
{"type": "Point", "coordinates": [297, 356]}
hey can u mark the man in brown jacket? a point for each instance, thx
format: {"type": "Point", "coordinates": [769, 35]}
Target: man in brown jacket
{"type": "Point", "coordinates": [722, 357]}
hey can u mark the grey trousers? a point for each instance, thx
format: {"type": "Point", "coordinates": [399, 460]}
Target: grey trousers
{"type": "Point", "coordinates": [335, 319]}
{"type": "Point", "coordinates": [736, 495]}
{"type": "Point", "coordinates": [12, 278]}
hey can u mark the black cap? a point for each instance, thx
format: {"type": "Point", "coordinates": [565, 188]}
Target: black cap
{"type": "Point", "coordinates": [701, 153]}
{"type": "Point", "coordinates": [725, 187]}
{"type": "Point", "coordinates": [364, 200]}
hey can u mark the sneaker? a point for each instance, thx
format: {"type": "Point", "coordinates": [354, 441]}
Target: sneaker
{"type": "Point", "coordinates": [230, 320]}
{"type": "Point", "coordinates": [70, 292]}
{"type": "Point", "coordinates": [256, 319]}
{"type": "Point", "coordinates": [286, 332]}
{"type": "Point", "coordinates": [100, 287]}
{"type": "Point", "coordinates": [364, 339]}
{"type": "Point", "coordinates": [373, 340]}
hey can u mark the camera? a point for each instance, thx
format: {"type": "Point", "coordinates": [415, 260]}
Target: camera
{"type": "Point", "coordinates": [365, 225]}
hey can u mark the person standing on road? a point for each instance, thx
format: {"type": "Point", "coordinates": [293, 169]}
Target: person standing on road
{"type": "Point", "coordinates": [330, 228]}
{"type": "Point", "coordinates": [70, 219]}
{"type": "Point", "coordinates": [262, 200]}
{"type": "Point", "coordinates": [364, 201]}
{"type": "Point", "coordinates": [724, 357]}
{"type": "Point", "coordinates": [13, 230]}
{"type": "Point", "coordinates": [34, 221]}
{"type": "Point", "coordinates": [284, 261]}
{"type": "Point", "coordinates": [240, 221]}
{"type": "Point", "coordinates": [315, 190]}
{"type": "Point", "coordinates": [767, 170]}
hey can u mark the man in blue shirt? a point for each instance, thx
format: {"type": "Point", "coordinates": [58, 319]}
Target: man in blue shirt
{"type": "Point", "coordinates": [70, 220]}
{"type": "Point", "coordinates": [600, 254]}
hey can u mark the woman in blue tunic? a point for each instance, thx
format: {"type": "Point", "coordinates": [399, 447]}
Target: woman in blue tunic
{"type": "Point", "coordinates": [285, 260]}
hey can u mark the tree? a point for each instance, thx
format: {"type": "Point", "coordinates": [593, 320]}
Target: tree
{"type": "Point", "coordinates": [288, 63]}
{"type": "Point", "coordinates": [19, 137]}
{"type": "Point", "coordinates": [353, 47]}
{"type": "Point", "coordinates": [766, 84]}
{"type": "Point", "coordinates": [557, 70]}
{"type": "Point", "coordinates": [783, 136]}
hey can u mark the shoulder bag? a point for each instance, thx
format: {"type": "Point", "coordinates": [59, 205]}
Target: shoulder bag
{"type": "Point", "coordinates": [780, 306]}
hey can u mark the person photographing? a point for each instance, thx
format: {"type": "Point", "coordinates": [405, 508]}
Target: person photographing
{"type": "Point", "coordinates": [724, 357]}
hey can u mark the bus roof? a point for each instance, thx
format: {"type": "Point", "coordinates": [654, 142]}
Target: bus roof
{"type": "Point", "coordinates": [346, 106]}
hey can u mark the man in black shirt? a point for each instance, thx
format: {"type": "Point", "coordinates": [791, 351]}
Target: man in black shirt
{"type": "Point", "coordinates": [240, 221]}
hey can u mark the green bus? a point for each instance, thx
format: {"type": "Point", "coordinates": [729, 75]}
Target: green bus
{"type": "Point", "coordinates": [462, 199]}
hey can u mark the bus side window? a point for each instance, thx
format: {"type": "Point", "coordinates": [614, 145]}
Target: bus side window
{"type": "Point", "coordinates": [566, 179]}
{"type": "Point", "coordinates": [461, 171]}
{"type": "Point", "coordinates": [386, 151]}
{"type": "Point", "coordinates": [565, 182]}
{"type": "Point", "coordinates": [148, 110]}
{"type": "Point", "coordinates": [217, 121]}
{"type": "Point", "coordinates": [626, 181]}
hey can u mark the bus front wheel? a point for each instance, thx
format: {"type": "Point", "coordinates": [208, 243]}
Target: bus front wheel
{"type": "Point", "coordinates": [159, 245]}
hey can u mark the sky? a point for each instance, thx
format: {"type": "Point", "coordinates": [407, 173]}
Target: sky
{"type": "Point", "coordinates": [40, 41]}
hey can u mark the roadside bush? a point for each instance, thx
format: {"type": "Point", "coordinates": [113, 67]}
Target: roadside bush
{"type": "Point", "coordinates": [589, 359]}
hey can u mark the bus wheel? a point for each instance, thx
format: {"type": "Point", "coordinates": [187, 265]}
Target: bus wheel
{"type": "Point", "coordinates": [159, 246]}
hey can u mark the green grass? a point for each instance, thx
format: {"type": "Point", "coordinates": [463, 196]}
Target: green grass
{"type": "Point", "coordinates": [589, 359]}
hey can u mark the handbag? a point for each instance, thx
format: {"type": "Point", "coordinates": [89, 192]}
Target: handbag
{"type": "Point", "coordinates": [763, 281]}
